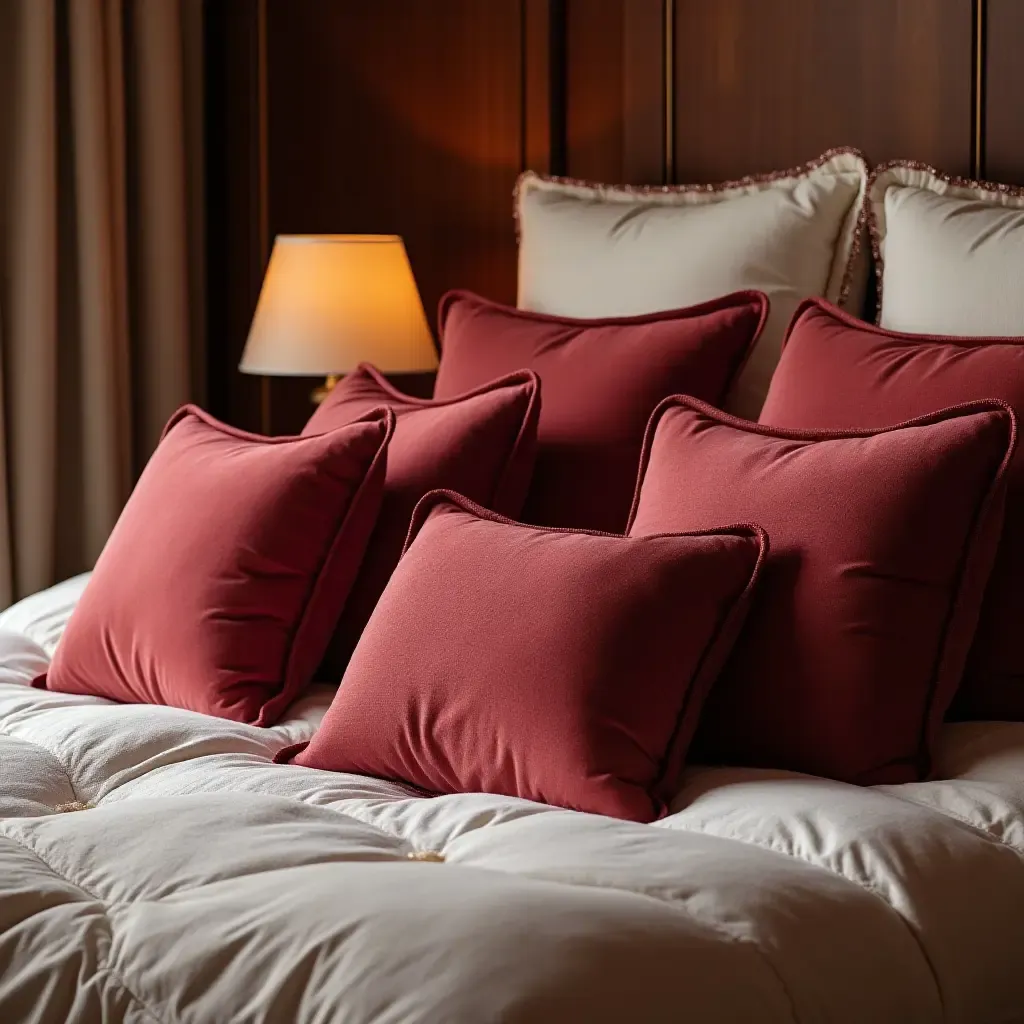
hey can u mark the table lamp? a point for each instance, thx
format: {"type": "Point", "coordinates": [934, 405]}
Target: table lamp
{"type": "Point", "coordinates": [330, 302]}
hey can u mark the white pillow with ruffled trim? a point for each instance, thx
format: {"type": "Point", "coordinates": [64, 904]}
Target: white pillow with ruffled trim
{"type": "Point", "coordinates": [949, 252]}
{"type": "Point", "coordinates": [588, 250]}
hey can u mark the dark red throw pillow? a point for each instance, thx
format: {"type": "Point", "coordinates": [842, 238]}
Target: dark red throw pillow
{"type": "Point", "coordinates": [840, 373]}
{"type": "Point", "coordinates": [480, 443]}
{"type": "Point", "coordinates": [601, 380]}
{"type": "Point", "coordinates": [225, 574]}
{"type": "Point", "coordinates": [554, 665]}
{"type": "Point", "coordinates": [882, 543]}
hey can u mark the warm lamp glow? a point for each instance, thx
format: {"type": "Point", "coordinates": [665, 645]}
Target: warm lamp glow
{"type": "Point", "coordinates": [330, 302]}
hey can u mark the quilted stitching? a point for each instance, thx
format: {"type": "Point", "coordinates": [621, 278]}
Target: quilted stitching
{"type": "Point", "coordinates": [104, 966]}
{"type": "Point", "coordinates": [193, 823]}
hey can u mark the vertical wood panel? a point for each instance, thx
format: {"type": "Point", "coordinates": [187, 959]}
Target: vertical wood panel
{"type": "Point", "coordinates": [761, 86]}
{"type": "Point", "coordinates": [644, 84]}
{"type": "Point", "coordinates": [543, 41]}
{"type": "Point", "coordinates": [615, 90]}
{"type": "Point", "coordinates": [1004, 90]}
{"type": "Point", "coordinates": [234, 262]}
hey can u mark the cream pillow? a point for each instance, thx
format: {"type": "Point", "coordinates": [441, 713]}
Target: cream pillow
{"type": "Point", "coordinates": [599, 250]}
{"type": "Point", "coordinates": [949, 252]}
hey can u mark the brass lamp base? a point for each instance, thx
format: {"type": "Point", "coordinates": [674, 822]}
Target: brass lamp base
{"type": "Point", "coordinates": [320, 393]}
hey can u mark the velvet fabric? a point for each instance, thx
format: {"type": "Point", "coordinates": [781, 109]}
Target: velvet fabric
{"type": "Point", "coordinates": [219, 587]}
{"type": "Point", "coordinates": [882, 543]}
{"type": "Point", "coordinates": [480, 443]}
{"type": "Point", "coordinates": [601, 380]}
{"type": "Point", "coordinates": [839, 373]}
{"type": "Point", "coordinates": [591, 249]}
{"type": "Point", "coordinates": [560, 666]}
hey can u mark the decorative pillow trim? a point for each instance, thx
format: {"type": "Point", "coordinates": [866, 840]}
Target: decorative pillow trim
{"type": "Point", "coordinates": [327, 578]}
{"type": "Point", "coordinates": [715, 651]}
{"type": "Point", "coordinates": [837, 371]}
{"type": "Point", "coordinates": [967, 568]}
{"type": "Point", "coordinates": [527, 429]}
{"type": "Point", "coordinates": [533, 179]}
{"type": "Point", "coordinates": [849, 320]}
{"type": "Point", "coordinates": [786, 434]}
{"type": "Point", "coordinates": [730, 301]}
{"type": "Point", "coordinates": [952, 185]}
{"type": "Point", "coordinates": [338, 550]}
{"type": "Point", "coordinates": [586, 461]}
{"type": "Point", "coordinates": [481, 441]}
{"type": "Point", "coordinates": [703, 663]}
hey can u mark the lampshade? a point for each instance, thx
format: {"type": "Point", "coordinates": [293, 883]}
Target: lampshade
{"type": "Point", "coordinates": [329, 302]}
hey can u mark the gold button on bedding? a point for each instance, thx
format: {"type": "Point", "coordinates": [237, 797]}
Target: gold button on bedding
{"type": "Point", "coordinates": [72, 805]}
{"type": "Point", "coordinates": [427, 856]}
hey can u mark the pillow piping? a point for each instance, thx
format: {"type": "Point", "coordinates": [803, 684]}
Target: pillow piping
{"type": "Point", "coordinates": [481, 441]}
{"type": "Point", "coordinates": [874, 329]}
{"type": "Point", "coordinates": [683, 313]}
{"type": "Point", "coordinates": [712, 658]}
{"type": "Point", "coordinates": [508, 490]}
{"type": "Point", "coordinates": [970, 575]}
{"type": "Point", "coordinates": [986, 692]}
{"type": "Point", "coordinates": [292, 686]}
{"type": "Point", "coordinates": [690, 312]}
{"type": "Point", "coordinates": [708, 665]}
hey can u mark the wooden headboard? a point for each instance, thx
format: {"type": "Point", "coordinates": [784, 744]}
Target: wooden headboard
{"type": "Point", "coordinates": [416, 116]}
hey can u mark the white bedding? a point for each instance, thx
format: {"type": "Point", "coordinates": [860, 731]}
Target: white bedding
{"type": "Point", "coordinates": [208, 885]}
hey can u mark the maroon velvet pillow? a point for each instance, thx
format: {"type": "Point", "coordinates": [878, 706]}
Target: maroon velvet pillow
{"type": "Point", "coordinates": [601, 381]}
{"type": "Point", "coordinates": [882, 542]}
{"type": "Point", "coordinates": [554, 665]}
{"type": "Point", "coordinates": [221, 582]}
{"type": "Point", "coordinates": [839, 373]}
{"type": "Point", "coordinates": [481, 443]}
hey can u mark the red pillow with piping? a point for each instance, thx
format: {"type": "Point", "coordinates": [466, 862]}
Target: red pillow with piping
{"type": "Point", "coordinates": [226, 572]}
{"type": "Point", "coordinates": [882, 543]}
{"type": "Point", "coordinates": [480, 443]}
{"type": "Point", "coordinates": [572, 668]}
{"type": "Point", "coordinates": [840, 373]}
{"type": "Point", "coordinates": [601, 381]}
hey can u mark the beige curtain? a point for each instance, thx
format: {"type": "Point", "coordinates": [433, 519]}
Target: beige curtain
{"type": "Point", "coordinates": [100, 266]}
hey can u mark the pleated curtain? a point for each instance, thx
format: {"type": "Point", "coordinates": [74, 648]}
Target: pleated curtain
{"type": "Point", "coordinates": [101, 271]}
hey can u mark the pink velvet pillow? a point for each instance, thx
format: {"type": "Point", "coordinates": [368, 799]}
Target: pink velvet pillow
{"type": "Point", "coordinates": [221, 582]}
{"type": "Point", "coordinates": [839, 373]}
{"type": "Point", "coordinates": [560, 666]}
{"type": "Point", "coordinates": [882, 542]}
{"type": "Point", "coordinates": [481, 443]}
{"type": "Point", "coordinates": [601, 380]}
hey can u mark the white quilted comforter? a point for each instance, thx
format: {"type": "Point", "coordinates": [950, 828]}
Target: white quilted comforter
{"type": "Point", "coordinates": [205, 884]}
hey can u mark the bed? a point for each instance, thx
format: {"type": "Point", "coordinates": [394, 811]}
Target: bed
{"type": "Point", "coordinates": [156, 866]}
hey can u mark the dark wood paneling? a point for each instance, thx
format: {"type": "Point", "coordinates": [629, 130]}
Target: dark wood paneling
{"type": "Point", "coordinates": [399, 116]}
{"type": "Point", "coordinates": [765, 85]}
{"type": "Point", "coordinates": [615, 90]}
{"type": "Point", "coordinates": [234, 253]}
{"type": "Point", "coordinates": [1004, 92]}
{"type": "Point", "coordinates": [415, 116]}
{"type": "Point", "coordinates": [543, 49]}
